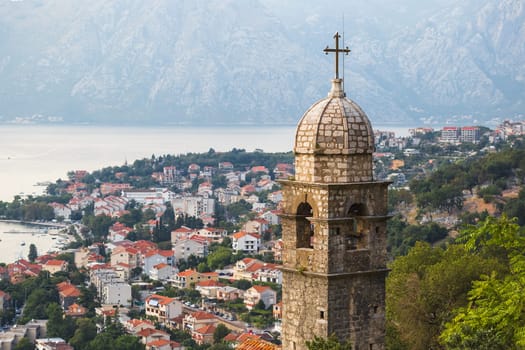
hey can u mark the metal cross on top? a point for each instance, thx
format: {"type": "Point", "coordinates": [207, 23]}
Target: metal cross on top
{"type": "Point", "coordinates": [337, 50]}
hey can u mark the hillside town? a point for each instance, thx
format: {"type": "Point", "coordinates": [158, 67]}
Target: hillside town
{"type": "Point", "coordinates": [185, 254]}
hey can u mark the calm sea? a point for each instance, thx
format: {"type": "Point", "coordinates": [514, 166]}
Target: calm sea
{"type": "Point", "coordinates": [33, 153]}
{"type": "Point", "coordinates": [15, 239]}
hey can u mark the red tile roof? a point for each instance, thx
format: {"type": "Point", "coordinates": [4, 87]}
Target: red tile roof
{"type": "Point", "coordinates": [54, 262]}
{"type": "Point", "coordinates": [146, 332]}
{"type": "Point", "coordinates": [210, 283]}
{"type": "Point", "coordinates": [241, 234]}
{"type": "Point", "coordinates": [245, 336]}
{"type": "Point", "coordinates": [166, 253]}
{"type": "Point", "coordinates": [187, 273]}
{"type": "Point", "coordinates": [159, 342]}
{"type": "Point", "coordinates": [202, 315]}
{"type": "Point", "coordinates": [161, 299]}
{"type": "Point", "coordinates": [261, 289]}
{"type": "Point", "coordinates": [136, 322]}
{"type": "Point", "coordinates": [72, 291]}
{"type": "Point", "coordinates": [257, 344]}
{"type": "Point", "coordinates": [184, 229]}
{"type": "Point", "coordinates": [230, 337]}
{"type": "Point", "coordinates": [254, 267]}
{"type": "Point", "coordinates": [209, 329]}
{"type": "Point", "coordinates": [160, 266]}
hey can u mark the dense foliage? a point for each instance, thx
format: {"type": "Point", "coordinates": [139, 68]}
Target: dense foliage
{"type": "Point", "coordinates": [330, 343]}
{"type": "Point", "coordinates": [241, 160]}
{"type": "Point", "coordinates": [468, 295]}
{"type": "Point", "coordinates": [491, 174]}
{"type": "Point", "coordinates": [402, 236]}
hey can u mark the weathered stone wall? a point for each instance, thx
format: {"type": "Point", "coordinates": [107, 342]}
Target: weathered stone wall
{"type": "Point", "coordinates": [357, 309]}
{"type": "Point", "coordinates": [303, 300]}
{"type": "Point", "coordinates": [341, 242]}
{"type": "Point", "coordinates": [350, 306]}
{"type": "Point", "coordinates": [330, 201]}
{"type": "Point", "coordinates": [333, 168]}
{"type": "Point", "coordinates": [334, 125]}
{"type": "Point", "coordinates": [343, 274]}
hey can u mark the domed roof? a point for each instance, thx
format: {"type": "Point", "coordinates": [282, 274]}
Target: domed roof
{"type": "Point", "coordinates": [334, 125]}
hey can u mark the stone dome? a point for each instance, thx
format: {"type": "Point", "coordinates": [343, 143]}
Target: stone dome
{"type": "Point", "coordinates": [334, 125]}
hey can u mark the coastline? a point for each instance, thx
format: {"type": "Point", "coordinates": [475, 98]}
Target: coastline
{"type": "Point", "coordinates": [56, 225]}
{"type": "Point", "coordinates": [16, 236]}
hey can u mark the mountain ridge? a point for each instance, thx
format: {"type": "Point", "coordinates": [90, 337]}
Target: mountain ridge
{"type": "Point", "coordinates": [257, 62]}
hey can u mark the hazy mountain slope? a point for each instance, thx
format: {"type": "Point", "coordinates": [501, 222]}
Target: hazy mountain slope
{"type": "Point", "coordinates": [250, 61]}
{"type": "Point", "coordinates": [464, 64]}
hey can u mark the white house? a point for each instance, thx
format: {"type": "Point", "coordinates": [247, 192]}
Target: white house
{"type": "Point", "coordinates": [110, 205]}
{"type": "Point", "coordinates": [134, 325]}
{"type": "Point", "coordinates": [60, 210]}
{"type": "Point", "coordinates": [194, 206]}
{"type": "Point", "coordinates": [257, 293]}
{"type": "Point", "coordinates": [271, 216]}
{"type": "Point", "coordinates": [258, 226]}
{"type": "Point", "coordinates": [162, 272]}
{"type": "Point", "coordinates": [208, 288]}
{"type": "Point", "coordinates": [181, 234]}
{"type": "Point", "coordinates": [269, 273]}
{"type": "Point", "coordinates": [50, 344]}
{"type": "Point", "coordinates": [193, 246]}
{"type": "Point", "coordinates": [228, 293]}
{"type": "Point", "coordinates": [157, 256]}
{"type": "Point", "coordinates": [275, 197]}
{"type": "Point", "coordinates": [146, 196]}
{"type": "Point", "coordinates": [118, 232]}
{"type": "Point", "coordinates": [213, 234]}
{"type": "Point", "coordinates": [125, 255]}
{"type": "Point", "coordinates": [116, 293]}
{"type": "Point", "coordinates": [163, 308]}
{"type": "Point", "coordinates": [246, 242]}
{"type": "Point", "coordinates": [205, 189]}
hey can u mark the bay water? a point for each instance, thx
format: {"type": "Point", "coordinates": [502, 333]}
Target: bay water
{"type": "Point", "coordinates": [15, 239]}
{"type": "Point", "coordinates": [32, 154]}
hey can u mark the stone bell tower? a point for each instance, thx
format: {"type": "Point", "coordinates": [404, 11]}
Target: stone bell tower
{"type": "Point", "coordinates": [334, 228]}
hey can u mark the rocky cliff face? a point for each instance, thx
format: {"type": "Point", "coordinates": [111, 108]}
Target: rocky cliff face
{"type": "Point", "coordinates": [257, 61]}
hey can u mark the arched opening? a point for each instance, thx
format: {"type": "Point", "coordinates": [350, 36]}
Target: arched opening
{"type": "Point", "coordinates": [304, 229]}
{"type": "Point", "coordinates": [356, 238]}
{"type": "Point", "coordinates": [357, 209]}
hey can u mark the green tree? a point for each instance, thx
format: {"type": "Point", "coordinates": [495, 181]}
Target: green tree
{"type": "Point", "coordinates": [38, 299]}
{"type": "Point", "coordinates": [425, 287]}
{"type": "Point", "coordinates": [99, 225]}
{"type": "Point", "coordinates": [37, 211]}
{"type": "Point", "coordinates": [128, 342]}
{"type": "Point", "coordinates": [400, 197]}
{"type": "Point", "coordinates": [32, 253]}
{"type": "Point", "coordinates": [330, 343]}
{"type": "Point", "coordinates": [220, 332]}
{"type": "Point", "coordinates": [242, 284]}
{"type": "Point", "coordinates": [237, 209]}
{"type": "Point", "coordinates": [57, 324]}
{"type": "Point", "coordinates": [494, 317]}
{"type": "Point", "coordinates": [103, 341]}
{"type": "Point", "coordinates": [219, 258]}
{"type": "Point", "coordinates": [220, 346]}
{"type": "Point", "coordinates": [85, 332]}
{"type": "Point", "coordinates": [24, 344]}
